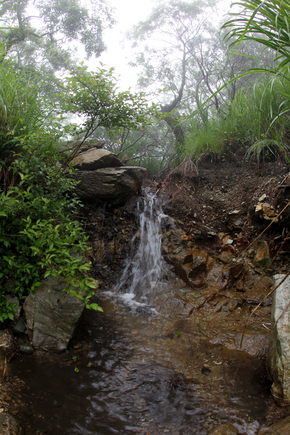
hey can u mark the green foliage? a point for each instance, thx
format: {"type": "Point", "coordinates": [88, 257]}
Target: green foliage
{"type": "Point", "coordinates": [253, 120]}
{"type": "Point", "coordinates": [7, 310]}
{"type": "Point", "coordinates": [266, 22]}
{"type": "Point", "coordinates": [94, 96]}
{"type": "Point", "coordinates": [44, 35]}
{"type": "Point", "coordinates": [39, 235]}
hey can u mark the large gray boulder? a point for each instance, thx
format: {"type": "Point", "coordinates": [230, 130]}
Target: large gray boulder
{"type": "Point", "coordinates": [109, 183]}
{"type": "Point", "coordinates": [279, 347]}
{"type": "Point", "coordinates": [52, 315]}
{"type": "Point", "coordinates": [93, 159]}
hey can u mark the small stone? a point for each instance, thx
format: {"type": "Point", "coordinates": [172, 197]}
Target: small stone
{"type": "Point", "coordinates": [262, 257]}
{"type": "Point", "coordinates": [19, 327]}
{"type": "Point", "coordinates": [9, 425]}
{"type": "Point", "coordinates": [226, 257]}
{"type": "Point", "coordinates": [26, 349]}
{"type": "Point", "coordinates": [224, 429]}
{"type": "Point", "coordinates": [261, 199]}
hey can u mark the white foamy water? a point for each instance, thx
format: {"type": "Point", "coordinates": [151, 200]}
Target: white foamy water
{"type": "Point", "coordinates": [145, 267]}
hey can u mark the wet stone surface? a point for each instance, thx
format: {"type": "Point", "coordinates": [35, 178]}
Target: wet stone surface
{"type": "Point", "coordinates": [146, 374]}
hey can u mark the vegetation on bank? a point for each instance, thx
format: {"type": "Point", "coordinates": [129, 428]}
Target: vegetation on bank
{"type": "Point", "coordinates": [39, 231]}
{"type": "Point", "coordinates": [227, 85]}
{"type": "Point", "coordinates": [258, 116]}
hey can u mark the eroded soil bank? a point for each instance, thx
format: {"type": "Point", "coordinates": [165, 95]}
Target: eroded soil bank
{"type": "Point", "coordinates": [202, 360]}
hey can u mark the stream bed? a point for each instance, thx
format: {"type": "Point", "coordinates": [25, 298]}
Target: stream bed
{"type": "Point", "coordinates": [128, 373]}
{"type": "Point", "coordinates": [164, 357]}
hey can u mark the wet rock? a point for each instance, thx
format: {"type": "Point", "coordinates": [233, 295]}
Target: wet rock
{"type": "Point", "coordinates": [26, 349]}
{"type": "Point", "coordinates": [199, 261]}
{"type": "Point", "coordinates": [281, 428]}
{"type": "Point", "coordinates": [226, 257]}
{"type": "Point", "coordinates": [233, 335]}
{"type": "Point", "coordinates": [93, 159]}
{"type": "Point", "coordinates": [257, 288]}
{"type": "Point", "coordinates": [262, 257]}
{"type": "Point", "coordinates": [217, 277]}
{"type": "Point", "coordinates": [20, 326]}
{"type": "Point", "coordinates": [237, 276]}
{"type": "Point", "coordinates": [279, 348]}
{"type": "Point", "coordinates": [52, 315]}
{"type": "Point", "coordinates": [9, 425]}
{"type": "Point", "coordinates": [264, 210]}
{"type": "Point", "coordinates": [190, 266]}
{"type": "Point", "coordinates": [224, 429]}
{"type": "Point", "coordinates": [109, 183]}
{"type": "Point", "coordinates": [173, 305]}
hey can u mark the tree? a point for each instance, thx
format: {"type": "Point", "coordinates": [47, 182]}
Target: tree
{"type": "Point", "coordinates": [190, 59]}
{"type": "Point", "coordinates": [94, 96]}
{"type": "Point", "coordinates": [176, 25]}
{"type": "Point", "coordinates": [152, 147]}
{"type": "Point", "coordinates": [44, 35]}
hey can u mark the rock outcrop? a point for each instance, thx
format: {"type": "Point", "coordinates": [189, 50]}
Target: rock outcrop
{"type": "Point", "coordinates": [279, 348]}
{"type": "Point", "coordinates": [102, 175]}
{"type": "Point", "coordinates": [93, 159]}
{"type": "Point", "coordinates": [52, 315]}
{"type": "Point", "coordinates": [109, 183]}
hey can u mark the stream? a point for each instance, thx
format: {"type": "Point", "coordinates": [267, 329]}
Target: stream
{"type": "Point", "coordinates": [134, 370]}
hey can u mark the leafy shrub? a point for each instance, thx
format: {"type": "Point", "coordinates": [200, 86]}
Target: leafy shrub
{"type": "Point", "coordinates": [39, 235]}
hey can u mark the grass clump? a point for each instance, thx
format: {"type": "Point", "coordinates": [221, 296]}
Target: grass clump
{"type": "Point", "coordinates": [255, 120]}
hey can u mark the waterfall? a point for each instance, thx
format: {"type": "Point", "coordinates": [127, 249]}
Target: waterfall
{"type": "Point", "coordinates": [145, 267]}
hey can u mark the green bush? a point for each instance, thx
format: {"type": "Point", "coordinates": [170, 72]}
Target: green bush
{"type": "Point", "coordinates": [39, 235]}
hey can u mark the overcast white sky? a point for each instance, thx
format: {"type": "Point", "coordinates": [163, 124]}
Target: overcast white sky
{"type": "Point", "coordinates": [127, 13]}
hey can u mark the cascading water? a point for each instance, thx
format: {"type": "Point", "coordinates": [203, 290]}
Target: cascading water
{"type": "Point", "coordinates": [145, 268]}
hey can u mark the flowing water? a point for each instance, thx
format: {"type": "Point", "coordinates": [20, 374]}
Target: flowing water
{"type": "Point", "coordinates": [134, 374]}
{"type": "Point", "coordinates": [145, 267]}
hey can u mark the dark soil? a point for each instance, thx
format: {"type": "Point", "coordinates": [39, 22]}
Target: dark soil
{"type": "Point", "coordinates": [207, 197]}
{"type": "Point", "coordinates": [219, 196]}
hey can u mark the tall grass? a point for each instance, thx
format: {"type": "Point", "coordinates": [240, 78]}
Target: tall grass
{"type": "Point", "coordinates": [255, 119]}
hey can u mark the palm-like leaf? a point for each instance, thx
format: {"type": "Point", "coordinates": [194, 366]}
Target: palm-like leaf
{"type": "Point", "coordinates": [267, 22]}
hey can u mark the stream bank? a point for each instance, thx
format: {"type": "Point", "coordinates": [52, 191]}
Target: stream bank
{"type": "Point", "coordinates": [192, 350]}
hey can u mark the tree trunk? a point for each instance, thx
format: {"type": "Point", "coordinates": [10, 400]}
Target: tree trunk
{"type": "Point", "coordinates": [170, 119]}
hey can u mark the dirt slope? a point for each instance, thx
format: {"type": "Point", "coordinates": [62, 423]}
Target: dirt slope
{"type": "Point", "coordinates": [221, 196]}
